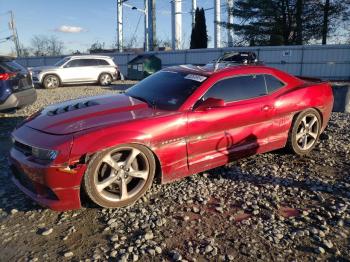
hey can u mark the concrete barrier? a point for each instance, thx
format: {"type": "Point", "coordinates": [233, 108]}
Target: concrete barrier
{"type": "Point", "coordinates": [341, 93]}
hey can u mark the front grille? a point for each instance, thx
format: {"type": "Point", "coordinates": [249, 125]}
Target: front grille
{"type": "Point", "coordinates": [25, 149]}
{"type": "Point", "coordinates": [23, 179]}
{"type": "Point", "coordinates": [32, 186]}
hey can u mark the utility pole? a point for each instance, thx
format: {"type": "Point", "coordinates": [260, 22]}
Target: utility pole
{"type": "Point", "coordinates": [120, 25]}
{"type": "Point", "coordinates": [230, 22]}
{"type": "Point", "coordinates": [150, 25]}
{"type": "Point", "coordinates": [217, 20]}
{"type": "Point", "coordinates": [147, 44]}
{"type": "Point", "coordinates": [12, 26]}
{"type": "Point", "coordinates": [176, 24]}
{"type": "Point", "coordinates": [194, 7]}
{"type": "Point", "coordinates": [153, 17]}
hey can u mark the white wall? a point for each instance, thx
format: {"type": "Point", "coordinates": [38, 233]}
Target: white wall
{"type": "Point", "coordinates": [326, 62]}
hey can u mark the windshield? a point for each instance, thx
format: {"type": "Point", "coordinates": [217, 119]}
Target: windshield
{"type": "Point", "coordinates": [166, 90]}
{"type": "Point", "coordinates": [62, 61]}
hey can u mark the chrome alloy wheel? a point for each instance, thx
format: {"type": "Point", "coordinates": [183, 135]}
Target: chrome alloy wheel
{"type": "Point", "coordinates": [121, 174]}
{"type": "Point", "coordinates": [105, 79]}
{"type": "Point", "coordinates": [307, 132]}
{"type": "Point", "coordinates": [51, 81]}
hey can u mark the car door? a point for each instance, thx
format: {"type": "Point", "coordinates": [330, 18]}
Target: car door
{"type": "Point", "coordinates": [75, 71]}
{"type": "Point", "coordinates": [92, 69]}
{"type": "Point", "coordinates": [239, 128]}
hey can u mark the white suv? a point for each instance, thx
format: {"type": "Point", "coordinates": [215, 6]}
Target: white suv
{"type": "Point", "coordinates": [77, 69]}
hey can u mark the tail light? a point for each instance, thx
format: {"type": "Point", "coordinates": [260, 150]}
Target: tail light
{"type": "Point", "coordinates": [7, 76]}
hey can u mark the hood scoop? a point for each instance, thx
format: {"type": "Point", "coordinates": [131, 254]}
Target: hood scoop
{"type": "Point", "coordinates": [73, 107]}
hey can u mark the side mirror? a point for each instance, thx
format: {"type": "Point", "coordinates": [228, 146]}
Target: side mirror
{"type": "Point", "coordinates": [210, 102]}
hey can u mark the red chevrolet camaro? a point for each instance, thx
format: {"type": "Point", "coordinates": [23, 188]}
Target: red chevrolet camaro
{"type": "Point", "coordinates": [177, 122]}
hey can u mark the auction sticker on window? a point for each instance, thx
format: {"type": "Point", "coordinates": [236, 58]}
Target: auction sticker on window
{"type": "Point", "coordinates": [197, 78]}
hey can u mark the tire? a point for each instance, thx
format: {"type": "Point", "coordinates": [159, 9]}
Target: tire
{"type": "Point", "coordinates": [51, 81]}
{"type": "Point", "coordinates": [119, 176]}
{"type": "Point", "coordinates": [105, 79]}
{"type": "Point", "coordinates": [305, 132]}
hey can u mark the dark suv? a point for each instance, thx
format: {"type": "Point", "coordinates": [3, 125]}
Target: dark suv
{"type": "Point", "coordinates": [16, 85]}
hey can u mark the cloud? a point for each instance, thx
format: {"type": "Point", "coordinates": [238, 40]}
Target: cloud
{"type": "Point", "coordinates": [69, 29]}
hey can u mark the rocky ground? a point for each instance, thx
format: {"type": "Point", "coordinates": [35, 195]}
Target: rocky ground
{"type": "Point", "coordinates": [274, 206]}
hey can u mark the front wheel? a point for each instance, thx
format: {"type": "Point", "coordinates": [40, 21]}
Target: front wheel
{"type": "Point", "coordinates": [51, 81]}
{"type": "Point", "coordinates": [105, 79]}
{"type": "Point", "coordinates": [305, 132]}
{"type": "Point", "coordinates": [119, 176]}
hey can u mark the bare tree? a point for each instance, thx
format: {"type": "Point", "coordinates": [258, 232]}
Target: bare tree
{"type": "Point", "coordinates": [54, 46]}
{"type": "Point", "coordinates": [38, 44]}
{"type": "Point", "coordinates": [96, 47]}
{"type": "Point", "coordinates": [130, 42]}
{"type": "Point", "coordinates": [25, 51]}
{"type": "Point", "coordinates": [46, 46]}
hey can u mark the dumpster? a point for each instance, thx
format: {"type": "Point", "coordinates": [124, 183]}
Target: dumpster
{"type": "Point", "coordinates": [143, 66]}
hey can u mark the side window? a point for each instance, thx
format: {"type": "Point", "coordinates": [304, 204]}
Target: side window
{"type": "Point", "coordinates": [87, 62]}
{"type": "Point", "coordinates": [74, 63]}
{"type": "Point", "coordinates": [272, 83]}
{"type": "Point", "coordinates": [238, 88]}
{"type": "Point", "coordinates": [102, 62]}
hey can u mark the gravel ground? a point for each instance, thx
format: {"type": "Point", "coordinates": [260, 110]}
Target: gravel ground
{"type": "Point", "coordinates": [274, 206]}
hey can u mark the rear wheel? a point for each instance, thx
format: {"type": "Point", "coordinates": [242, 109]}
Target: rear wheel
{"type": "Point", "coordinates": [119, 176]}
{"type": "Point", "coordinates": [305, 132]}
{"type": "Point", "coordinates": [105, 79]}
{"type": "Point", "coordinates": [51, 81]}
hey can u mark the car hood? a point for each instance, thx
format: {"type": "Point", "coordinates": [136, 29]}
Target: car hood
{"type": "Point", "coordinates": [81, 114]}
{"type": "Point", "coordinates": [42, 68]}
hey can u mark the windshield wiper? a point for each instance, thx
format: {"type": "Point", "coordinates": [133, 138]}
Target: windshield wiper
{"type": "Point", "coordinates": [149, 103]}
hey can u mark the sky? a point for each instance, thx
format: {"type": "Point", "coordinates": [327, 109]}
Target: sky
{"type": "Point", "coordinates": [80, 23]}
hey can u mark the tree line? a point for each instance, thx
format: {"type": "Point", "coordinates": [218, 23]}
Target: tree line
{"type": "Point", "coordinates": [279, 22]}
{"type": "Point", "coordinates": [256, 22]}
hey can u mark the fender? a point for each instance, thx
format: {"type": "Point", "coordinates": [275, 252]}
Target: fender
{"type": "Point", "coordinates": [90, 143]}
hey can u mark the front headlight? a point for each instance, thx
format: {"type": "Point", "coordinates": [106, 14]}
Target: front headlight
{"type": "Point", "coordinates": [44, 154]}
{"type": "Point", "coordinates": [36, 72]}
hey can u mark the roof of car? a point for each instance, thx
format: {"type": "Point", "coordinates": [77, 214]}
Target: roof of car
{"type": "Point", "coordinates": [7, 58]}
{"type": "Point", "coordinates": [90, 56]}
{"type": "Point", "coordinates": [210, 69]}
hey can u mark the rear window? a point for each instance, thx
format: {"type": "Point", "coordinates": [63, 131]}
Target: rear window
{"type": "Point", "coordinates": [102, 62]}
{"type": "Point", "coordinates": [10, 66]}
{"type": "Point", "coordinates": [272, 83]}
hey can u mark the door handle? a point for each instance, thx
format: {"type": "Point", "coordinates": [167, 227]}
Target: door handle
{"type": "Point", "coordinates": [266, 108]}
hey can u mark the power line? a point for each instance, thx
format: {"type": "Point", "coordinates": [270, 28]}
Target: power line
{"type": "Point", "coordinates": [137, 26]}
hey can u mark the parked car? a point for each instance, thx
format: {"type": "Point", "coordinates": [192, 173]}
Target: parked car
{"type": "Point", "coordinates": [77, 70]}
{"type": "Point", "coordinates": [177, 122]}
{"type": "Point", "coordinates": [16, 86]}
{"type": "Point", "coordinates": [239, 58]}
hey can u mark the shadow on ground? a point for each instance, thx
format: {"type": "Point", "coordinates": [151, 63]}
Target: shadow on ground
{"type": "Point", "coordinates": [341, 93]}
